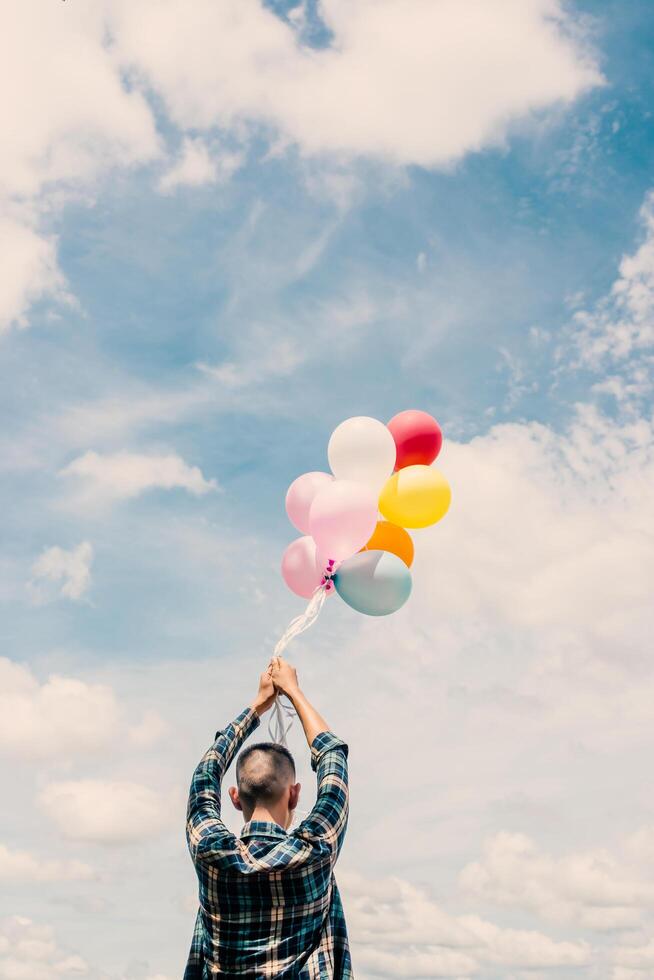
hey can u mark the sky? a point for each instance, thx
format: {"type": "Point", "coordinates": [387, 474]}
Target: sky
{"type": "Point", "coordinates": [226, 227]}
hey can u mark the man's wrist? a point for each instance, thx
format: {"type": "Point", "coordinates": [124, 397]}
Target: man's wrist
{"type": "Point", "coordinates": [292, 693]}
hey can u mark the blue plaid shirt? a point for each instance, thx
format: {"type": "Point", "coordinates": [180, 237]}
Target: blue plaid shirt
{"type": "Point", "coordinates": [269, 905]}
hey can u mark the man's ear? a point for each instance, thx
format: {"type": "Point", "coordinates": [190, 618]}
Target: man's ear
{"type": "Point", "coordinates": [294, 796]}
{"type": "Point", "coordinates": [234, 797]}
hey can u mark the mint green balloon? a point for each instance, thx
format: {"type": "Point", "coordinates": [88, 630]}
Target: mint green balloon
{"type": "Point", "coordinates": [374, 582]}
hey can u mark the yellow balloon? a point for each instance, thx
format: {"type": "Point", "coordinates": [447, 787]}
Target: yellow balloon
{"type": "Point", "coordinates": [415, 496]}
{"type": "Point", "coordinates": [390, 537]}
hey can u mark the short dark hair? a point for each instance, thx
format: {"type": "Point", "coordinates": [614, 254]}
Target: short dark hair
{"type": "Point", "coordinates": [263, 771]}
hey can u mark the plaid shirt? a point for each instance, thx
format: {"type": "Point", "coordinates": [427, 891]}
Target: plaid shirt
{"type": "Point", "coordinates": [269, 905]}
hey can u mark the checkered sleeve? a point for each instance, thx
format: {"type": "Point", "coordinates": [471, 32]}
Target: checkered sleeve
{"type": "Point", "coordinates": [324, 828]}
{"type": "Point", "coordinates": [205, 831]}
{"type": "Point", "coordinates": [194, 964]}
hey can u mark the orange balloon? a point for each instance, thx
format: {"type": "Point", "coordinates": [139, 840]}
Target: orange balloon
{"type": "Point", "coordinates": [391, 537]}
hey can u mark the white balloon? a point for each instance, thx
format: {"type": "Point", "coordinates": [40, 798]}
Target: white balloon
{"type": "Point", "coordinates": [362, 450]}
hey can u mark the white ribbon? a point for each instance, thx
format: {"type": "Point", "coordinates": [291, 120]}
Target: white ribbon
{"type": "Point", "coordinates": [283, 713]}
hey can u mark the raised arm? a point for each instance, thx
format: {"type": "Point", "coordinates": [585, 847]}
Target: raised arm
{"type": "Point", "coordinates": [324, 828]}
{"type": "Point", "coordinates": [205, 832]}
{"type": "Point", "coordinates": [284, 678]}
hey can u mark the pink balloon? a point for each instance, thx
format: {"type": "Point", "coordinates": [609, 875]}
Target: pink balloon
{"type": "Point", "coordinates": [300, 497]}
{"type": "Point", "coordinates": [300, 569]}
{"type": "Point", "coordinates": [343, 516]}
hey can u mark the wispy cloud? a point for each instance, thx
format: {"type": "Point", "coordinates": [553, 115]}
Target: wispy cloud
{"type": "Point", "coordinates": [102, 479]}
{"type": "Point", "coordinates": [68, 571]}
{"type": "Point", "coordinates": [618, 334]}
{"type": "Point", "coordinates": [273, 359]}
{"type": "Point", "coordinates": [197, 165]}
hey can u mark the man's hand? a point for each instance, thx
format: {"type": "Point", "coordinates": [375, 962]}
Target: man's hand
{"type": "Point", "coordinates": [284, 677]}
{"type": "Point", "coordinates": [265, 694]}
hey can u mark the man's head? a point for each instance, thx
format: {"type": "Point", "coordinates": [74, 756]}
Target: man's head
{"type": "Point", "coordinates": [265, 776]}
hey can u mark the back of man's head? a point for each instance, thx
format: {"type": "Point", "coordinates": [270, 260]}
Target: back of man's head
{"type": "Point", "coordinates": [264, 773]}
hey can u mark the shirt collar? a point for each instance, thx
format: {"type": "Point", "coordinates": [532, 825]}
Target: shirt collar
{"type": "Point", "coordinates": [262, 828]}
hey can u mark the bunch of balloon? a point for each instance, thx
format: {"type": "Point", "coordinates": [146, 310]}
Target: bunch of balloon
{"type": "Point", "coordinates": [354, 520]}
{"type": "Point", "coordinates": [354, 523]}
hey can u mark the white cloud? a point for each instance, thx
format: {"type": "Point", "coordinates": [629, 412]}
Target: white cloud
{"type": "Point", "coordinates": [197, 165]}
{"type": "Point", "coordinates": [59, 69]}
{"type": "Point", "coordinates": [76, 716]}
{"type": "Point", "coordinates": [399, 931]}
{"type": "Point", "coordinates": [414, 963]}
{"type": "Point", "coordinates": [624, 973]}
{"type": "Point", "coordinates": [31, 952]}
{"type": "Point", "coordinates": [525, 947]}
{"type": "Point", "coordinates": [235, 65]}
{"type": "Point", "coordinates": [70, 571]}
{"type": "Point", "coordinates": [626, 390]}
{"type": "Point", "coordinates": [555, 538]}
{"type": "Point", "coordinates": [592, 889]}
{"type": "Point", "coordinates": [635, 957]}
{"type": "Point", "coordinates": [29, 269]}
{"type": "Point", "coordinates": [364, 93]}
{"type": "Point", "coordinates": [61, 718]}
{"type": "Point", "coordinates": [276, 359]}
{"type": "Point", "coordinates": [390, 910]}
{"type": "Point", "coordinates": [620, 330]}
{"type": "Point", "coordinates": [105, 811]}
{"type": "Point", "coordinates": [121, 475]}
{"type": "Point", "coordinates": [23, 866]}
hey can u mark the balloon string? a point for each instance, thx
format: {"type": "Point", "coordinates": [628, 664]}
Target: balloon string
{"type": "Point", "coordinates": [283, 713]}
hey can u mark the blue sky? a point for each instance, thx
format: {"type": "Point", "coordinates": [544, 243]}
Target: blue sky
{"type": "Point", "coordinates": [226, 231]}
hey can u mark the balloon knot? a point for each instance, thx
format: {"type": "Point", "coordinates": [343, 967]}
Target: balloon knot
{"type": "Point", "coordinates": [328, 575]}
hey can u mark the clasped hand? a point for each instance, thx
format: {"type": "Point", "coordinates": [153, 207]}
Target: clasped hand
{"type": "Point", "coordinates": [279, 678]}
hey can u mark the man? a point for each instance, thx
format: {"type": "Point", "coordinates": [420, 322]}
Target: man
{"type": "Point", "coordinates": [269, 905]}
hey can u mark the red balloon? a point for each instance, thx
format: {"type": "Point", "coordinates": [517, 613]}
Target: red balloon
{"type": "Point", "coordinates": [418, 438]}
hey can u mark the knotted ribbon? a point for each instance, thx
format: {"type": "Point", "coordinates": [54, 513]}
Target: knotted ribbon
{"type": "Point", "coordinates": [283, 713]}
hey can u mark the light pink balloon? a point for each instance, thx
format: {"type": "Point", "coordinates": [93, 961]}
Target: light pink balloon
{"type": "Point", "coordinates": [300, 497]}
{"type": "Point", "coordinates": [343, 516]}
{"type": "Point", "coordinates": [300, 569]}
